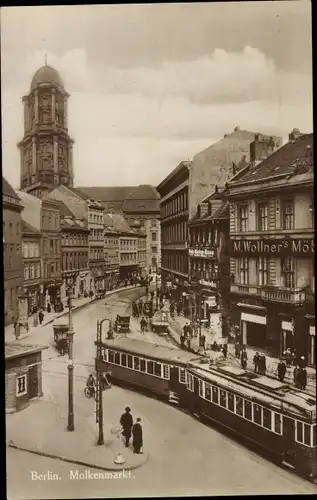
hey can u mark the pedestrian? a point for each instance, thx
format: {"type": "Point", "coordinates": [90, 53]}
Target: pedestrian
{"type": "Point", "coordinates": [288, 357]}
{"type": "Point", "coordinates": [48, 308]}
{"type": "Point", "coordinates": [190, 330]}
{"type": "Point", "coordinates": [303, 378]}
{"type": "Point", "coordinates": [225, 350]}
{"type": "Point", "coordinates": [41, 317]}
{"type": "Point", "coordinates": [297, 376]}
{"type": "Point", "coordinates": [281, 370]}
{"type": "Point", "coordinates": [185, 329]}
{"type": "Point", "coordinates": [237, 349]}
{"type": "Point", "coordinates": [143, 325]}
{"type": "Point", "coordinates": [137, 433]}
{"type": "Point", "coordinates": [256, 362]}
{"type": "Point", "coordinates": [302, 362]}
{"type": "Point", "coordinates": [203, 341]}
{"type": "Point", "coordinates": [244, 359]}
{"type": "Point", "coordinates": [182, 339]}
{"type": "Point", "coordinates": [16, 329]}
{"type": "Point", "coordinates": [263, 364]}
{"type": "Point", "coordinates": [126, 422]}
{"type": "Point", "coordinates": [188, 342]}
{"type": "Point", "coordinates": [214, 346]}
{"type": "Point", "coordinates": [294, 358]}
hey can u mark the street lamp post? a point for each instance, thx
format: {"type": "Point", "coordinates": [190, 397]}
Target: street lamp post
{"type": "Point", "coordinates": [99, 402]}
{"type": "Point", "coordinates": [70, 426]}
{"type": "Point", "coordinates": [156, 289]}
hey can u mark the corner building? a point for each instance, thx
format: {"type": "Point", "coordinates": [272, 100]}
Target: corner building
{"type": "Point", "coordinates": [271, 247]}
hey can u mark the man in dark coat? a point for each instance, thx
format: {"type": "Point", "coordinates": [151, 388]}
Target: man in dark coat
{"type": "Point", "coordinates": [281, 370]}
{"type": "Point", "coordinates": [237, 349]}
{"type": "Point", "coordinates": [182, 339]}
{"type": "Point", "coordinates": [41, 317]}
{"type": "Point", "coordinates": [297, 376]}
{"type": "Point", "coordinates": [302, 378]}
{"type": "Point", "coordinates": [256, 362]}
{"type": "Point", "coordinates": [244, 359]}
{"type": "Point", "coordinates": [126, 421]}
{"type": "Point", "coordinates": [137, 434]}
{"type": "Point", "coordinates": [225, 350]}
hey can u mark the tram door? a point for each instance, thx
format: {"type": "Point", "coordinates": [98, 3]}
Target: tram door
{"type": "Point", "coordinates": [174, 378]}
{"type": "Point", "coordinates": [289, 454]}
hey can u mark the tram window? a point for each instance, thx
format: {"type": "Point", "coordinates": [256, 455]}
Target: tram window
{"type": "Point", "coordinates": [201, 388]}
{"type": "Point", "coordinates": [182, 375]}
{"type": "Point", "coordinates": [208, 392]}
{"type": "Point", "coordinates": [239, 406]}
{"type": "Point", "coordinates": [150, 368]}
{"type": "Point", "coordinates": [124, 359]}
{"type": "Point", "coordinates": [117, 358]}
{"type": "Point", "coordinates": [190, 382]}
{"type": "Point", "coordinates": [307, 435]}
{"type": "Point", "coordinates": [247, 410]}
{"type": "Point", "coordinates": [157, 369]}
{"type": "Point", "coordinates": [136, 363]}
{"type": "Point", "coordinates": [166, 371]}
{"type": "Point", "coordinates": [223, 399]}
{"type": "Point", "coordinates": [267, 419]}
{"type": "Point", "coordinates": [230, 401]}
{"type": "Point", "coordinates": [130, 361]}
{"type": "Point", "coordinates": [277, 423]}
{"type": "Point", "coordinates": [142, 365]}
{"type": "Point", "coordinates": [111, 356]}
{"type": "Point", "coordinates": [314, 435]}
{"type": "Point", "coordinates": [215, 394]}
{"type": "Point", "coordinates": [257, 414]}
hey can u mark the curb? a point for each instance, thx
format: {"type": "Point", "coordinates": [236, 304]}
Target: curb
{"type": "Point", "coordinates": [112, 292]}
{"type": "Point", "coordinates": [79, 462]}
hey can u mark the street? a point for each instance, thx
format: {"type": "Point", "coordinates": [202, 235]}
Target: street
{"type": "Point", "coordinates": [186, 458]}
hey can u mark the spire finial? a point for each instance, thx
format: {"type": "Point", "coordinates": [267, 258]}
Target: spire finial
{"type": "Point", "coordinates": [45, 57]}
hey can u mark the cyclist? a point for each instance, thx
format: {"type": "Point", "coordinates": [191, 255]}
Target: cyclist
{"type": "Point", "coordinates": [91, 384]}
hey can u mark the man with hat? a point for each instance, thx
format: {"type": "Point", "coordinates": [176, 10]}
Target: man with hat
{"type": "Point", "coordinates": [126, 422]}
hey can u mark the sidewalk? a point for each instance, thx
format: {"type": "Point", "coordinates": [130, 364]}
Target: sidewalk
{"type": "Point", "coordinates": [176, 327]}
{"type": "Point", "coordinates": [50, 317]}
{"type": "Point", "coordinates": [40, 429]}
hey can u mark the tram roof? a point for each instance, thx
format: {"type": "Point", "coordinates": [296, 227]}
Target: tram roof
{"type": "Point", "coordinates": [148, 349]}
{"type": "Point", "coordinates": [293, 401]}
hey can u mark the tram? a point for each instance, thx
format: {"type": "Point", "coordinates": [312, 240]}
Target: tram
{"type": "Point", "coordinates": [265, 413]}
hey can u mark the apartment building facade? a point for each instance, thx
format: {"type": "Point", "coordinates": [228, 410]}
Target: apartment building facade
{"type": "Point", "coordinates": [32, 266]}
{"type": "Point", "coordinates": [272, 250]}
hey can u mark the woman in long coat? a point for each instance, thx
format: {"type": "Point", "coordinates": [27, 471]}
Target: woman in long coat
{"type": "Point", "coordinates": [137, 434]}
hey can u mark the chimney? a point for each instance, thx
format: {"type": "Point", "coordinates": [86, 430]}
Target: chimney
{"type": "Point", "coordinates": [263, 146]}
{"type": "Point", "coordinates": [295, 134]}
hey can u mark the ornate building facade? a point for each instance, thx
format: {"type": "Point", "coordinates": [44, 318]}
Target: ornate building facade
{"type": "Point", "coordinates": [12, 255]}
{"type": "Point", "coordinates": [46, 149]}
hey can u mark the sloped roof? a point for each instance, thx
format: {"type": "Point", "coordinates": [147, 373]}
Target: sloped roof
{"type": "Point", "coordinates": [31, 212]}
{"type": "Point", "coordinates": [79, 193]}
{"type": "Point", "coordinates": [73, 224]}
{"type": "Point", "coordinates": [27, 228]}
{"type": "Point", "coordinates": [120, 223]}
{"type": "Point", "coordinates": [135, 205]}
{"type": "Point", "coordinates": [222, 212]}
{"type": "Point", "coordinates": [16, 349]}
{"type": "Point", "coordinates": [8, 189]}
{"type": "Point", "coordinates": [107, 220]}
{"type": "Point", "coordinates": [120, 193]}
{"type": "Point", "coordinates": [295, 156]}
{"type": "Point", "coordinates": [64, 210]}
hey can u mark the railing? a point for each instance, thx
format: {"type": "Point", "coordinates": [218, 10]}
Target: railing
{"type": "Point", "coordinates": [295, 296]}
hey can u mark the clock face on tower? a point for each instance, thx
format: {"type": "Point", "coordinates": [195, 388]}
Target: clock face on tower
{"type": "Point", "coordinates": [46, 149]}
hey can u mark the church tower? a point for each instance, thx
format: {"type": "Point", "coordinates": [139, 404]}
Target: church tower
{"type": "Point", "coordinates": [46, 148]}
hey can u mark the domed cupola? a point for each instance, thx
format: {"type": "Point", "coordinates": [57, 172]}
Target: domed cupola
{"type": "Point", "coordinates": [46, 74]}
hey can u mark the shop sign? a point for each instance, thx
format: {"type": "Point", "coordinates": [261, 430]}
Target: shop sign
{"type": "Point", "coordinates": [281, 247]}
{"type": "Point", "coordinates": [193, 252]}
{"type": "Point", "coordinates": [212, 284]}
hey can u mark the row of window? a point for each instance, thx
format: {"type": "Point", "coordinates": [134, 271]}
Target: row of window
{"type": "Point", "coordinates": [175, 205]}
{"type": "Point", "coordinates": [262, 271]}
{"type": "Point", "coordinates": [96, 253]}
{"type": "Point", "coordinates": [30, 249]}
{"type": "Point", "coordinates": [128, 244]}
{"type": "Point", "coordinates": [174, 233]}
{"type": "Point", "coordinates": [74, 260]}
{"type": "Point", "coordinates": [96, 218]}
{"type": "Point", "coordinates": [13, 228]}
{"type": "Point", "coordinates": [111, 242]}
{"type": "Point", "coordinates": [74, 239]}
{"type": "Point", "coordinates": [128, 257]}
{"type": "Point", "coordinates": [203, 236]}
{"type": "Point", "coordinates": [50, 220]}
{"type": "Point", "coordinates": [50, 269]}
{"type": "Point", "coordinates": [32, 271]}
{"type": "Point", "coordinates": [51, 246]}
{"type": "Point", "coordinates": [136, 363]}
{"type": "Point", "coordinates": [270, 420]}
{"type": "Point", "coordinates": [96, 235]}
{"type": "Point", "coordinates": [175, 261]}
{"type": "Point", "coordinates": [262, 216]}
{"type": "Point", "coordinates": [206, 270]}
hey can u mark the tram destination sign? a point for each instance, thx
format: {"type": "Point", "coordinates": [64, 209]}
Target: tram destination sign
{"type": "Point", "coordinates": [283, 247]}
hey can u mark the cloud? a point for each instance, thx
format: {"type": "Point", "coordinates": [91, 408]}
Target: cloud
{"type": "Point", "coordinates": [136, 124]}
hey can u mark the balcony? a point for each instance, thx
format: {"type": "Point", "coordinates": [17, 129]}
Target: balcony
{"type": "Point", "coordinates": [294, 296]}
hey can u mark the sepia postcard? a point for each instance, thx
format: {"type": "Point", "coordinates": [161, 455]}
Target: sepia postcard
{"type": "Point", "coordinates": [158, 250]}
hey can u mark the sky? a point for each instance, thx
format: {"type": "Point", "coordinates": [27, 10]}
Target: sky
{"type": "Point", "coordinates": [152, 85]}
